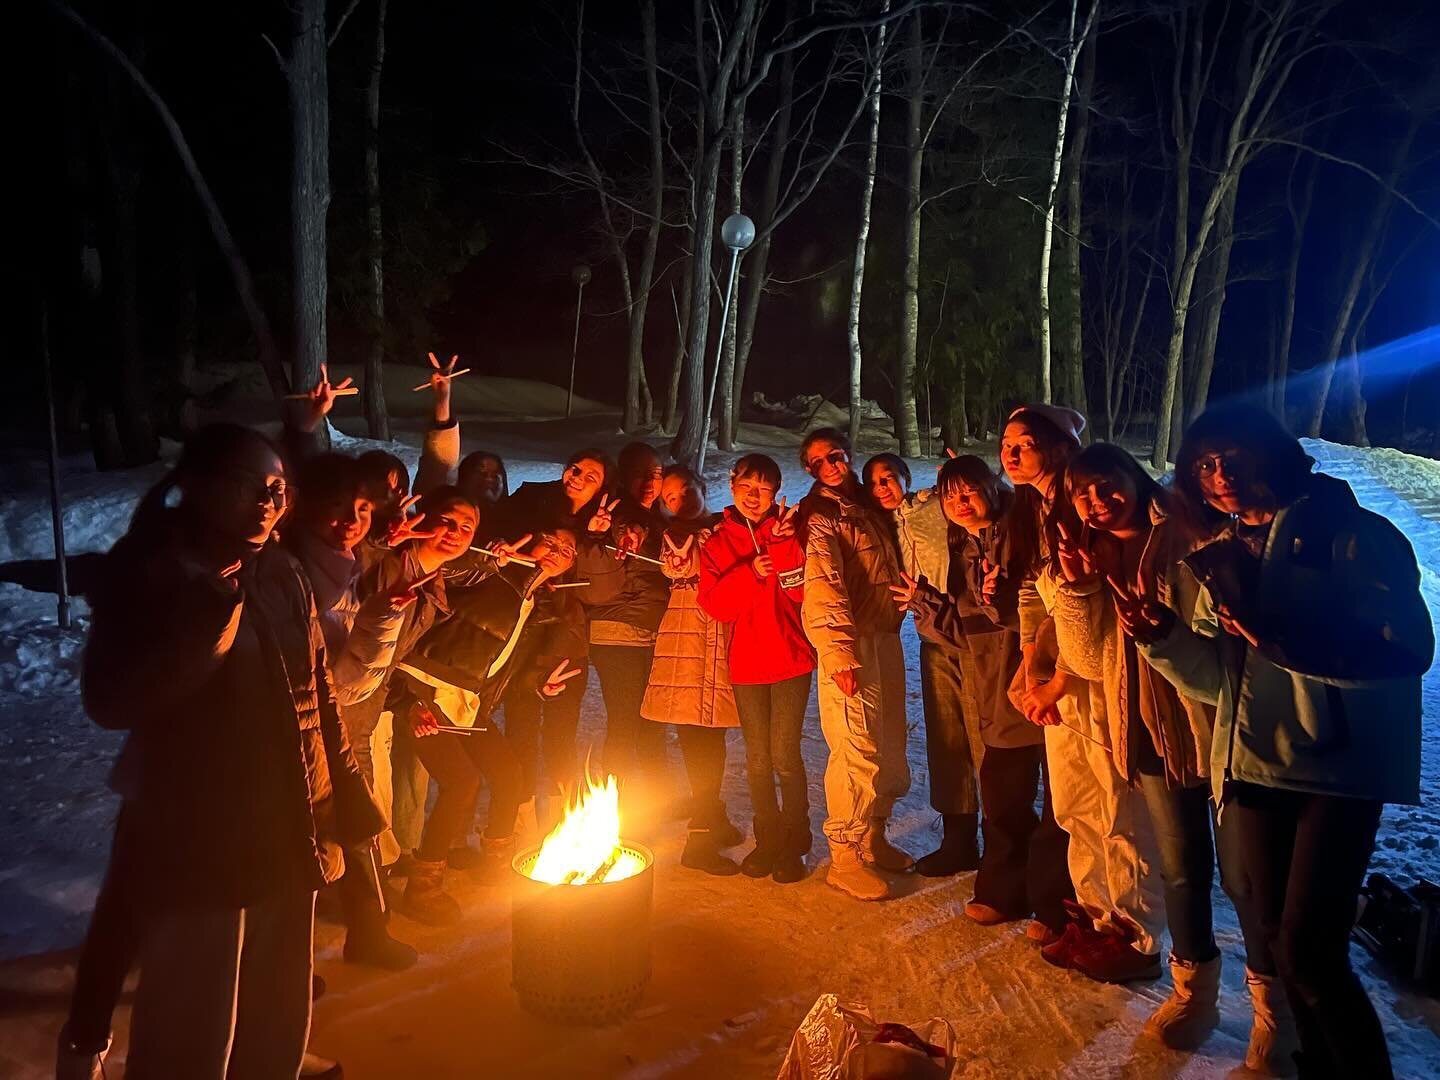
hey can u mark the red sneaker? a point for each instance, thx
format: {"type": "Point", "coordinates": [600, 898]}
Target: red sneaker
{"type": "Point", "coordinates": [1114, 959]}
{"type": "Point", "coordinates": [1077, 932]}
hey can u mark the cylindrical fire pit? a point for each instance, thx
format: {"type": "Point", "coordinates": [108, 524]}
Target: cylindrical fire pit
{"type": "Point", "coordinates": [581, 953]}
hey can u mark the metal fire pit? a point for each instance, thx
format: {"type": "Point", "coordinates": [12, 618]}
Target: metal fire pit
{"type": "Point", "coordinates": [581, 953]}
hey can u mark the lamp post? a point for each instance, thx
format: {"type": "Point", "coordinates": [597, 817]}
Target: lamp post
{"type": "Point", "coordinates": [738, 233]}
{"type": "Point", "coordinates": [581, 277]}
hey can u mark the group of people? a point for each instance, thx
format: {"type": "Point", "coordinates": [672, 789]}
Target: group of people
{"type": "Point", "coordinates": [1124, 682]}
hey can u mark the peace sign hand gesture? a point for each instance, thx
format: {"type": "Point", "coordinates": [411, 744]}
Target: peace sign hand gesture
{"type": "Point", "coordinates": [989, 580]}
{"type": "Point", "coordinates": [407, 592]}
{"type": "Point", "coordinates": [554, 684]}
{"type": "Point", "coordinates": [784, 520]}
{"type": "Point", "coordinates": [677, 559]}
{"type": "Point", "coordinates": [601, 520]}
{"type": "Point", "coordinates": [316, 404]}
{"type": "Point", "coordinates": [1140, 615]}
{"type": "Point", "coordinates": [405, 528]}
{"type": "Point", "coordinates": [1077, 562]}
{"type": "Point", "coordinates": [904, 593]}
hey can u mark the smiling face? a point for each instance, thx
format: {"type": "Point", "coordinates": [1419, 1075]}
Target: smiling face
{"type": "Point", "coordinates": [1226, 476]}
{"type": "Point", "coordinates": [886, 486]}
{"type": "Point", "coordinates": [1022, 457]}
{"type": "Point", "coordinates": [1105, 502]}
{"type": "Point", "coordinates": [583, 481]}
{"type": "Point", "coordinates": [345, 522]}
{"type": "Point", "coordinates": [753, 497]}
{"type": "Point", "coordinates": [828, 463]}
{"type": "Point", "coordinates": [554, 551]}
{"type": "Point", "coordinates": [644, 480]}
{"type": "Point", "coordinates": [682, 497]}
{"type": "Point", "coordinates": [482, 478]}
{"type": "Point", "coordinates": [965, 505]}
{"type": "Point", "coordinates": [457, 524]}
{"type": "Point", "coordinates": [245, 501]}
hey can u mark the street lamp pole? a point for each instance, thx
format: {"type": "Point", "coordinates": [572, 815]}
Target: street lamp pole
{"type": "Point", "coordinates": [738, 233]}
{"type": "Point", "coordinates": [581, 277]}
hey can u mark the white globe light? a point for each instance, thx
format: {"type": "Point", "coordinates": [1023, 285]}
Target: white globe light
{"type": "Point", "coordinates": [738, 232]}
{"type": "Point", "coordinates": [581, 274]}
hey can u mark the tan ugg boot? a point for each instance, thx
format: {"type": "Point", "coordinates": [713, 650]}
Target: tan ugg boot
{"type": "Point", "coordinates": [1273, 1039]}
{"type": "Point", "coordinates": [876, 849]}
{"type": "Point", "coordinates": [849, 874]}
{"type": "Point", "coordinates": [425, 898]}
{"type": "Point", "coordinates": [1190, 1012]}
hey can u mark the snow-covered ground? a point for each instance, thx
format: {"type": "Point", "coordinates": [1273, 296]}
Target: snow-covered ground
{"type": "Point", "coordinates": [737, 962]}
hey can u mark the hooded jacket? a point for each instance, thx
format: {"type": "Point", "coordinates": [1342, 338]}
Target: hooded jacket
{"type": "Point", "coordinates": [626, 597]}
{"type": "Point", "coordinates": [767, 639]}
{"type": "Point", "coordinates": [850, 564]}
{"type": "Point", "coordinates": [1329, 702]}
{"type": "Point", "coordinates": [922, 533]}
{"type": "Point", "coordinates": [237, 775]}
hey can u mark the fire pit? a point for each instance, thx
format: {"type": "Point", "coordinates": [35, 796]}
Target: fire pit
{"type": "Point", "coordinates": [580, 922]}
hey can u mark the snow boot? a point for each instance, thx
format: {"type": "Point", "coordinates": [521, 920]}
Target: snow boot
{"type": "Point", "coordinates": [958, 850]}
{"type": "Point", "coordinates": [703, 854]}
{"type": "Point", "coordinates": [425, 899]}
{"type": "Point", "coordinates": [315, 1067]}
{"type": "Point", "coordinates": [1273, 1039]}
{"type": "Point", "coordinates": [463, 857]}
{"type": "Point", "coordinates": [76, 1062]}
{"type": "Point", "coordinates": [851, 874]}
{"type": "Point", "coordinates": [760, 862]}
{"type": "Point", "coordinates": [727, 835]}
{"type": "Point", "coordinates": [876, 849]}
{"type": "Point", "coordinates": [1190, 1012]}
{"type": "Point", "coordinates": [790, 863]}
{"type": "Point", "coordinates": [402, 866]}
{"type": "Point", "coordinates": [495, 858]}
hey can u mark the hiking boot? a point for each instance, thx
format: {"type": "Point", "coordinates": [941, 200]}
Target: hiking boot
{"type": "Point", "coordinates": [496, 855]}
{"type": "Point", "coordinates": [789, 869]}
{"type": "Point", "coordinates": [701, 853]}
{"type": "Point", "coordinates": [1273, 1039]}
{"type": "Point", "coordinates": [1114, 959]}
{"type": "Point", "coordinates": [986, 915]}
{"type": "Point", "coordinates": [851, 874]}
{"type": "Point", "coordinates": [958, 850]}
{"type": "Point", "coordinates": [760, 861]}
{"type": "Point", "coordinates": [876, 849]}
{"type": "Point", "coordinates": [425, 898]}
{"type": "Point", "coordinates": [1191, 1011]}
{"type": "Point", "coordinates": [727, 835]}
{"type": "Point", "coordinates": [374, 947]}
{"type": "Point", "coordinates": [463, 857]}
{"type": "Point", "coordinates": [74, 1061]}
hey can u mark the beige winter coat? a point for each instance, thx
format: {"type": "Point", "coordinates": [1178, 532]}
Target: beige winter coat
{"type": "Point", "coordinates": [690, 676]}
{"type": "Point", "coordinates": [850, 563]}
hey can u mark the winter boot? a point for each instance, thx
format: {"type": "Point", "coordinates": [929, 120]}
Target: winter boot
{"type": "Point", "coordinates": [463, 857]}
{"type": "Point", "coordinates": [851, 874]}
{"type": "Point", "coordinates": [703, 854]}
{"type": "Point", "coordinates": [496, 856]}
{"type": "Point", "coordinates": [876, 849]}
{"type": "Point", "coordinates": [790, 862]}
{"type": "Point", "coordinates": [727, 835]}
{"type": "Point", "coordinates": [760, 862]}
{"type": "Point", "coordinates": [1273, 1039]}
{"type": "Point", "coordinates": [1190, 1012]}
{"type": "Point", "coordinates": [425, 899]}
{"type": "Point", "coordinates": [76, 1062]}
{"type": "Point", "coordinates": [958, 851]}
{"type": "Point", "coordinates": [1113, 958]}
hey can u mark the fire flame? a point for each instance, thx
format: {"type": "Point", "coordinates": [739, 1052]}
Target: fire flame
{"type": "Point", "coordinates": [584, 848]}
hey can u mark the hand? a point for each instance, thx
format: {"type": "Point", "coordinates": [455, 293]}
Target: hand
{"type": "Point", "coordinates": [601, 520]}
{"type": "Point", "coordinates": [423, 722]}
{"type": "Point", "coordinates": [763, 566]}
{"type": "Point", "coordinates": [440, 384]}
{"type": "Point", "coordinates": [1140, 615]}
{"type": "Point", "coordinates": [784, 526]}
{"type": "Point", "coordinates": [848, 681]}
{"type": "Point", "coordinates": [989, 581]}
{"type": "Point", "coordinates": [629, 539]}
{"type": "Point", "coordinates": [503, 553]}
{"type": "Point", "coordinates": [406, 593]}
{"type": "Point", "coordinates": [1038, 703]}
{"type": "Point", "coordinates": [677, 559]}
{"type": "Point", "coordinates": [903, 593]}
{"type": "Point", "coordinates": [1232, 624]}
{"type": "Point", "coordinates": [405, 528]}
{"type": "Point", "coordinates": [316, 405]}
{"type": "Point", "coordinates": [554, 684]}
{"type": "Point", "coordinates": [1076, 562]}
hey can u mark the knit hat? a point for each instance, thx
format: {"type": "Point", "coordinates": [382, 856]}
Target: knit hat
{"type": "Point", "coordinates": [1063, 419]}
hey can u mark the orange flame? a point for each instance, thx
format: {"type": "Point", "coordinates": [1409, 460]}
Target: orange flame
{"type": "Point", "coordinates": [585, 849]}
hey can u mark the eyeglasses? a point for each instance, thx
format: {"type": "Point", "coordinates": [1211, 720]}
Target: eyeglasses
{"type": "Point", "coordinates": [558, 546]}
{"type": "Point", "coordinates": [275, 492]}
{"type": "Point", "coordinates": [834, 457]}
{"type": "Point", "coordinates": [1232, 462]}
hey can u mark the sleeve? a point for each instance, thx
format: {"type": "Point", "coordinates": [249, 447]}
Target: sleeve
{"type": "Point", "coordinates": [439, 456]}
{"type": "Point", "coordinates": [1191, 657]}
{"type": "Point", "coordinates": [788, 558]}
{"type": "Point", "coordinates": [369, 650]}
{"type": "Point", "coordinates": [937, 619]}
{"type": "Point", "coordinates": [604, 572]}
{"type": "Point", "coordinates": [1083, 616]}
{"type": "Point", "coordinates": [825, 611]}
{"type": "Point", "coordinates": [358, 815]}
{"type": "Point", "coordinates": [1031, 607]}
{"type": "Point", "coordinates": [155, 638]}
{"type": "Point", "coordinates": [729, 592]}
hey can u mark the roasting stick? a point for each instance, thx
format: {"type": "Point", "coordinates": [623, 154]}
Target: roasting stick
{"type": "Point", "coordinates": [344, 391]}
{"type": "Point", "coordinates": [450, 375]}
{"type": "Point", "coordinates": [521, 559]}
{"type": "Point", "coordinates": [570, 585]}
{"type": "Point", "coordinates": [632, 555]}
{"type": "Point", "coordinates": [462, 730]}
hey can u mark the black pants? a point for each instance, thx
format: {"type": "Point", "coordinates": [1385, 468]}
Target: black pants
{"type": "Point", "coordinates": [772, 717]}
{"type": "Point", "coordinates": [1307, 856]}
{"type": "Point", "coordinates": [634, 746]}
{"type": "Point", "coordinates": [543, 730]}
{"type": "Point", "coordinates": [1023, 869]}
{"type": "Point", "coordinates": [703, 750]}
{"type": "Point", "coordinates": [457, 763]}
{"type": "Point", "coordinates": [112, 944]}
{"type": "Point", "coordinates": [951, 743]}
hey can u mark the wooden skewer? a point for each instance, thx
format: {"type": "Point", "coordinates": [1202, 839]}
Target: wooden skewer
{"type": "Point", "coordinates": [452, 375]}
{"type": "Point", "coordinates": [521, 559]}
{"type": "Point", "coordinates": [570, 585]}
{"type": "Point", "coordinates": [463, 730]}
{"type": "Point", "coordinates": [344, 391]}
{"type": "Point", "coordinates": [633, 555]}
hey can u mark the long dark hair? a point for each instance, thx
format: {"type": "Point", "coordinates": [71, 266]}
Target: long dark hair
{"type": "Point", "coordinates": [967, 470]}
{"type": "Point", "coordinates": [206, 454]}
{"type": "Point", "coordinates": [1281, 467]}
{"type": "Point", "coordinates": [1105, 460]}
{"type": "Point", "coordinates": [1034, 528]}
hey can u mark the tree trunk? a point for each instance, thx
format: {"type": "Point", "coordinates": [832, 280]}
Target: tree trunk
{"type": "Point", "coordinates": [677, 364]}
{"type": "Point", "coordinates": [377, 418]}
{"type": "Point", "coordinates": [862, 238]}
{"type": "Point", "coordinates": [308, 78]}
{"type": "Point", "coordinates": [1217, 278]}
{"type": "Point", "coordinates": [727, 376]}
{"type": "Point", "coordinates": [907, 425]}
{"type": "Point", "coordinates": [636, 384]}
{"type": "Point", "coordinates": [1075, 388]}
{"type": "Point", "coordinates": [1280, 367]}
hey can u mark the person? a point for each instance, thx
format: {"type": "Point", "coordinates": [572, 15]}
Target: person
{"type": "Point", "coordinates": [953, 747]}
{"type": "Point", "coordinates": [233, 824]}
{"type": "Point", "coordinates": [480, 475]}
{"type": "Point", "coordinates": [1310, 619]}
{"type": "Point", "coordinates": [850, 562]}
{"type": "Point", "coordinates": [1111, 848]}
{"type": "Point", "coordinates": [752, 576]}
{"type": "Point", "coordinates": [689, 683]}
{"type": "Point", "coordinates": [1023, 871]}
{"type": "Point", "coordinates": [456, 676]}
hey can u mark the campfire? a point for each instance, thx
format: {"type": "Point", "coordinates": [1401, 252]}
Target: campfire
{"type": "Point", "coordinates": [581, 915]}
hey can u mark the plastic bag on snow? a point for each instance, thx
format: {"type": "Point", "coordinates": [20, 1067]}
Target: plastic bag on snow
{"type": "Point", "coordinates": [843, 1041]}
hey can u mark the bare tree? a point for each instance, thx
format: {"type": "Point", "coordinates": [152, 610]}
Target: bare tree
{"type": "Point", "coordinates": [1298, 211]}
{"type": "Point", "coordinates": [862, 236]}
{"type": "Point", "coordinates": [1074, 384]}
{"type": "Point", "coordinates": [377, 419]}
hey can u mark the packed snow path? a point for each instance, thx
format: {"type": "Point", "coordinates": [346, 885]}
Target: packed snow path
{"type": "Point", "coordinates": [737, 962]}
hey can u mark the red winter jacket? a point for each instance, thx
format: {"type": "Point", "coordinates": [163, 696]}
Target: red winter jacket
{"type": "Point", "coordinates": [768, 644]}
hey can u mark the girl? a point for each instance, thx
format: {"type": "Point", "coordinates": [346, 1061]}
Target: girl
{"type": "Point", "coordinates": [1109, 829]}
{"type": "Point", "coordinates": [1311, 638]}
{"type": "Point", "coordinates": [752, 576]}
{"type": "Point", "coordinates": [690, 677]}
{"type": "Point", "coordinates": [1023, 871]}
{"type": "Point", "coordinates": [240, 791]}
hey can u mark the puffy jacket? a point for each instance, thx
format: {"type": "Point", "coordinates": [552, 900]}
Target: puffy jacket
{"type": "Point", "coordinates": [237, 776]}
{"type": "Point", "coordinates": [850, 564]}
{"type": "Point", "coordinates": [536, 507]}
{"type": "Point", "coordinates": [1330, 700]}
{"type": "Point", "coordinates": [923, 532]}
{"type": "Point", "coordinates": [767, 643]}
{"type": "Point", "coordinates": [626, 598]}
{"type": "Point", "coordinates": [690, 676]}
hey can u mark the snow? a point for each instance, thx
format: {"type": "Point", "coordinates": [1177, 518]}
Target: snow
{"type": "Point", "coordinates": [738, 962]}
